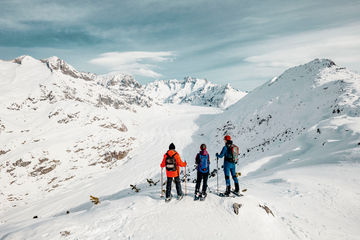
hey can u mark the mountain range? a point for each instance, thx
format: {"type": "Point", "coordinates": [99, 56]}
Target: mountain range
{"type": "Point", "coordinates": [66, 135]}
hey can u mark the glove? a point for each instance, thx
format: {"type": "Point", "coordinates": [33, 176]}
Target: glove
{"type": "Point", "coordinates": [217, 155]}
{"type": "Point", "coordinates": [185, 163]}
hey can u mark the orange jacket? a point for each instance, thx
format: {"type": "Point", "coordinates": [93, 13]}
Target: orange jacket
{"type": "Point", "coordinates": [179, 164]}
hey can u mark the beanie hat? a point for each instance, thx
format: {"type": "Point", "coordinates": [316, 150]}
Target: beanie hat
{"type": "Point", "coordinates": [203, 146]}
{"type": "Point", "coordinates": [171, 146]}
{"type": "Point", "coordinates": [227, 138]}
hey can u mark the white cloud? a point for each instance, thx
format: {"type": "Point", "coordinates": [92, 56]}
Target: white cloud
{"type": "Point", "coordinates": [134, 63]}
{"type": "Point", "coordinates": [339, 44]}
{"type": "Point", "coordinates": [18, 17]}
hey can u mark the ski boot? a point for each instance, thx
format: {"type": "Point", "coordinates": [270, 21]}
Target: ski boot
{"type": "Point", "coordinates": [197, 196]}
{"type": "Point", "coordinates": [180, 196]}
{"type": "Point", "coordinates": [203, 196]}
{"type": "Point", "coordinates": [237, 189]}
{"type": "Point", "coordinates": [227, 192]}
{"type": "Point", "coordinates": [168, 199]}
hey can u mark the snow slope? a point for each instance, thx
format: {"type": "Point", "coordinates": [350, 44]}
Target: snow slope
{"type": "Point", "coordinates": [310, 110]}
{"type": "Point", "coordinates": [311, 187]}
{"type": "Point", "coordinates": [194, 91]}
{"type": "Point", "coordinates": [56, 122]}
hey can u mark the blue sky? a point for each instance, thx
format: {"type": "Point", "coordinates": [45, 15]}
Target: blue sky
{"type": "Point", "coordinates": [244, 43]}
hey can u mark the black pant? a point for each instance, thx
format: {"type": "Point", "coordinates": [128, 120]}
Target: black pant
{"type": "Point", "coordinates": [168, 186]}
{"type": "Point", "coordinates": [204, 177]}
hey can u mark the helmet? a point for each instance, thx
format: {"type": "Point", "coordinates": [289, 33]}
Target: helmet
{"type": "Point", "coordinates": [227, 138]}
{"type": "Point", "coordinates": [203, 146]}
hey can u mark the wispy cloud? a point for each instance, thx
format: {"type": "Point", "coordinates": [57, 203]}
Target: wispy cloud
{"type": "Point", "coordinates": [340, 44]}
{"type": "Point", "coordinates": [136, 63]}
{"type": "Point", "coordinates": [237, 41]}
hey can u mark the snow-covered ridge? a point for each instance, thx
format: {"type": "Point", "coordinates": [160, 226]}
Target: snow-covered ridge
{"type": "Point", "coordinates": [59, 125]}
{"type": "Point", "coordinates": [190, 90]}
{"type": "Point", "coordinates": [194, 91]}
{"type": "Point", "coordinates": [50, 112]}
{"type": "Point", "coordinates": [305, 108]}
{"type": "Point", "coordinates": [57, 64]}
{"type": "Point", "coordinates": [298, 135]}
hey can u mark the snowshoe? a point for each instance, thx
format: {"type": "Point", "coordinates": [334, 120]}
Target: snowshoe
{"type": "Point", "coordinates": [203, 196]}
{"type": "Point", "coordinates": [168, 199]}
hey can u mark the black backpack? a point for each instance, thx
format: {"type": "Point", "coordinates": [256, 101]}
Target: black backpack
{"type": "Point", "coordinates": [170, 163]}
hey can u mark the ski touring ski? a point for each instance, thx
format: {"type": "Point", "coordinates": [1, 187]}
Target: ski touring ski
{"type": "Point", "coordinates": [238, 194]}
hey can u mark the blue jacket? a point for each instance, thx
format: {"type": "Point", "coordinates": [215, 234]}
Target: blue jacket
{"type": "Point", "coordinates": [223, 153]}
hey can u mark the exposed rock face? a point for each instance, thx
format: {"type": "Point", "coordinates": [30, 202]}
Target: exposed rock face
{"type": "Point", "coordinates": [57, 64]}
{"type": "Point", "coordinates": [59, 125]}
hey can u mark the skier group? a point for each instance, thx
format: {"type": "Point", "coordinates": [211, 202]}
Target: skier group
{"type": "Point", "coordinates": [172, 162]}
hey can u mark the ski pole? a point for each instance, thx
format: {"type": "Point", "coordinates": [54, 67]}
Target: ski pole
{"type": "Point", "coordinates": [162, 192]}
{"type": "Point", "coordinates": [217, 174]}
{"type": "Point", "coordinates": [185, 182]}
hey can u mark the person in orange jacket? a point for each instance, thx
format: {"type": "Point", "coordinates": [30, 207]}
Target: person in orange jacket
{"type": "Point", "coordinates": [172, 162]}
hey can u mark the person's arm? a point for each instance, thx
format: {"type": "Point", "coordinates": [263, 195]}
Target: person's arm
{"type": "Point", "coordinates": [179, 162]}
{"type": "Point", "coordinates": [163, 162]}
{"type": "Point", "coordinates": [197, 159]}
{"type": "Point", "coordinates": [222, 154]}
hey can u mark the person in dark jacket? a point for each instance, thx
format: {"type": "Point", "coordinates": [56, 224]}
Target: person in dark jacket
{"type": "Point", "coordinates": [229, 166]}
{"type": "Point", "coordinates": [172, 174]}
{"type": "Point", "coordinates": [202, 161]}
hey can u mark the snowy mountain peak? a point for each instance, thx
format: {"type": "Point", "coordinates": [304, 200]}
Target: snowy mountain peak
{"type": "Point", "coordinates": [195, 91]}
{"type": "Point", "coordinates": [189, 79]}
{"type": "Point", "coordinates": [56, 64]}
{"type": "Point", "coordinates": [321, 63]}
{"type": "Point", "coordinates": [306, 73]}
{"type": "Point", "coordinates": [119, 80]}
{"type": "Point", "coordinates": [24, 59]}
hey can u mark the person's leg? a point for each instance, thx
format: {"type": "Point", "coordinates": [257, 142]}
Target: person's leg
{"type": "Point", "coordinates": [227, 173]}
{"type": "Point", "coordinates": [198, 182]}
{"type": "Point", "coordinates": [205, 177]}
{"type": "Point", "coordinates": [178, 186]}
{"type": "Point", "coordinates": [227, 177]}
{"type": "Point", "coordinates": [233, 172]}
{"type": "Point", "coordinates": [168, 186]}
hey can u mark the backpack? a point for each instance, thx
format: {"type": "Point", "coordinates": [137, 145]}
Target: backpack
{"type": "Point", "coordinates": [170, 163]}
{"type": "Point", "coordinates": [232, 154]}
{"type": "Point", "coordinates": [203, 163]}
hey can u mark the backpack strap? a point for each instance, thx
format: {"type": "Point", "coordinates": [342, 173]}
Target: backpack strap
{"type": "Point", "coordinates": [167, 154]}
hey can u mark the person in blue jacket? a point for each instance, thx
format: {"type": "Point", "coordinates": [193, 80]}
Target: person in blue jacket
{"type": "Point", "coordinates": [229, 166]}
{"type": "Point", "coordinates": [202, 161]}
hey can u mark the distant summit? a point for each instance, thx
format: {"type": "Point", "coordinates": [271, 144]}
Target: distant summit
{"type": "Point", "coordinates": [56, 64]}
{"type": "Point", "coordinates": [194, 91]}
